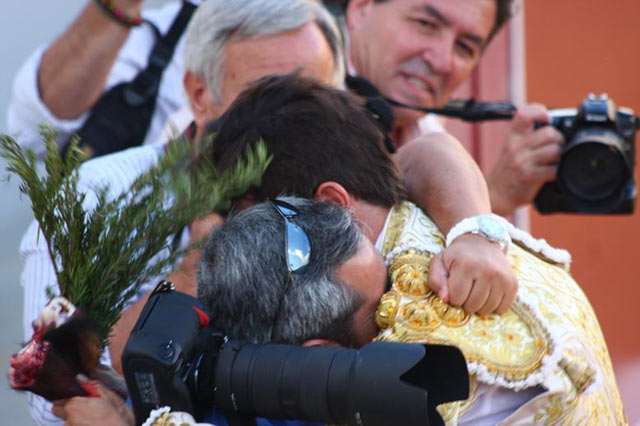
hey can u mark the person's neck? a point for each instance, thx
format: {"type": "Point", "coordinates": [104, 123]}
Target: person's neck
{"type": "Point", "coordinates": [404, 128]}
{"type": "Point", "coordinates": [372, 219]}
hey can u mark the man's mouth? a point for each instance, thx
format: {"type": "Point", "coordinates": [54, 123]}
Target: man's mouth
{"type": "Point", "coordinates": [422, 88]}
{"type": "Point", "coordinates": [419, 83]}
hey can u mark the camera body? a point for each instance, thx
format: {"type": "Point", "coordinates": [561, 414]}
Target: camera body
{"type": "Point", "coordinates": [595, 172]}
{"type": "Point", "coordinates": [170, 343]}
{"type": "Point", "coordinates": [174, 358]}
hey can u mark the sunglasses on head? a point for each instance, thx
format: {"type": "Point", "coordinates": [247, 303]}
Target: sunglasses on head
{"type": "Point", "coordinates": [297, 249]}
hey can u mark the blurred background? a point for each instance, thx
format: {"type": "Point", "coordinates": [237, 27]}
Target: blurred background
{"type": "Point", "coordinates": [553, 52]}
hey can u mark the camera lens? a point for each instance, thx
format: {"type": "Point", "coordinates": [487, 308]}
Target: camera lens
{"type": "Point", "coordinates": [592, 167]}
{"type": "Point", "coordinates": [380, 384]}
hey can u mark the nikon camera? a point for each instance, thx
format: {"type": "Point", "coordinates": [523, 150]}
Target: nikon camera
{"type": "Point", "coordinates": [595, 173]}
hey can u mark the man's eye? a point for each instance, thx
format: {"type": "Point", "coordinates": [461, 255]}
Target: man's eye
{"type": "Point", "coordinates": [466, 49]}
{"type": "Point", "coordinates": [424, 23]}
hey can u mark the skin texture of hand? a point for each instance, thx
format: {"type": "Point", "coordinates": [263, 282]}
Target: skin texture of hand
{"type": "Point", "coordinates": [106, 408]}
{"type": "Point", "coordinates": [474, 273]}
{"type": "Point", "coordinates": [528, 159]}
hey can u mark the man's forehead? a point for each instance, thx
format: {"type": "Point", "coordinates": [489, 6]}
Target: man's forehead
{"type": "Point", "coordinates": [304, 49]}
{"type": "Point", "coordinates": [473, 18]}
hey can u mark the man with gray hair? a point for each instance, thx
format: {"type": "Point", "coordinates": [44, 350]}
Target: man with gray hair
{"type": "Point", "coordinates": [262, 39]}
{"type": "Point", "coordinates": [60, 83]}
{"type": "Point", "coordinates": [252, 294]}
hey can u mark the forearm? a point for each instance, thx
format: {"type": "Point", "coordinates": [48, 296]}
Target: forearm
{"type": "Point", "coordinates": [443, 179]}
{"type": "Point", "coordinates": [74, 69]}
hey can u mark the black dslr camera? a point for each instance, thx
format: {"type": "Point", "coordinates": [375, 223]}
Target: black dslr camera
{"type": "Point", "coordinates": [595, 173]}
{"type": "Point", "coordinates": [174, 358]}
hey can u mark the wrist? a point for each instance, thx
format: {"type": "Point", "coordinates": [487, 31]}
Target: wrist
{"type": "Point", "coordinates": [125, 14]}
{"type": "Point", "coordinates": [500, 203]}
{"type": "Point", "coordinates": [487, 226]}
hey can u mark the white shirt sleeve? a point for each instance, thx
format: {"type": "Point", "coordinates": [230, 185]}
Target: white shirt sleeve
{"type": "Point", "coordinates": [27, 111]}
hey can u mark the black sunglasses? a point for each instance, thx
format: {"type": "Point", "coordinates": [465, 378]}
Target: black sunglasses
{"type": "Point", "coordinates": [296, 248]}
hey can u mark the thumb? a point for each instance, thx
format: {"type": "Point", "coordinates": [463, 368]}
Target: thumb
{"type": "Point", "coordinates": [438, 277]}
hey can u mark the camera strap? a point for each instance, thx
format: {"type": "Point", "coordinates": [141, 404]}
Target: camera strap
{"type": "Point", "coordinates": [467, 109]}
{"type": "Point", "coordinates": [121, 117]}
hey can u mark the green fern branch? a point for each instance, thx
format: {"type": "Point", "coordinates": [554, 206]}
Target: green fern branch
{"type": "Point", "coordinates": [102, 257]}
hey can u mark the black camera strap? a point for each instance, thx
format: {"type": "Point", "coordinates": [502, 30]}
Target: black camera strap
{"type": "Point", "coordinates": [121, 117]}
{"type": "Point", "coordinates": [467, 109]}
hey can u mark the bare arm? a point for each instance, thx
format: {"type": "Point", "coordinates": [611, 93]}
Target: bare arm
{"type": "Point", "coordinates": [74, 69]}
{"type": "Point", "coordinates": [447, 184]}
{"type": "Point", "coordinates": [443, 179]}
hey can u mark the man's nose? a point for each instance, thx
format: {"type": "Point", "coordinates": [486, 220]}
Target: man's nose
{"type": "Point", "coordinates": [439, 55]}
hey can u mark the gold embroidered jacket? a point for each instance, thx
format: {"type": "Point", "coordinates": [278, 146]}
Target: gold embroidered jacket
{"type": "Point", "coordinates": [549, 338]}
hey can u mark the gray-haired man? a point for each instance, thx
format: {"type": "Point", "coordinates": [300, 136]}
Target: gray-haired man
{"type": "Point", "coordinates": [260, 37]}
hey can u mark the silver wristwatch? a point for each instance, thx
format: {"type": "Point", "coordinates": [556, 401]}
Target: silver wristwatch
{"type": "Point", "coordinates": [485, 225]}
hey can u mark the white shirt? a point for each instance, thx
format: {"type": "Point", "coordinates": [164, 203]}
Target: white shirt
{"type": "Point", "coordinates": [27, 111]}
{"type": "Point", "coordinates": [117, 171]}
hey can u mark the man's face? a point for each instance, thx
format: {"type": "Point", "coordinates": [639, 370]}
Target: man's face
{"type": "Point", "coordinates": [304, 49]}
{"type": "Point", "coordinates": [366, 274]}
{"type": "Point", "coordinates": [418, 52]}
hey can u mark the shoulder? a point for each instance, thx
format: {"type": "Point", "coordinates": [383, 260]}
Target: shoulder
{"type": "Point", "coordinates": [119, 170]}
{"type": "Point", "coordinates": [162, 17]}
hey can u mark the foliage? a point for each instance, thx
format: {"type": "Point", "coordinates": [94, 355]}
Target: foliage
{"type": "Point", "coordinates": [101, 256]}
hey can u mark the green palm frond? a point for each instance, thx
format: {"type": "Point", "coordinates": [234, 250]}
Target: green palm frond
{"type": "Point", "coordinates": [101, 257]}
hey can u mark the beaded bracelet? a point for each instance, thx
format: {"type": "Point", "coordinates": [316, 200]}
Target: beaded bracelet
{"type": "Point", "coordinates": [117, 14]}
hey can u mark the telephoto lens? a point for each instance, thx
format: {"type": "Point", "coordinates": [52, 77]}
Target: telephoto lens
{"type": "Point", "coordinates": [174, 358]}
{"type": "Point", "coordinates": [381, 384]}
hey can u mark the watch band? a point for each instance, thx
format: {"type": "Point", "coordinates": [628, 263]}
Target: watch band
{"type": "Point", "coordinates": [485, 225]}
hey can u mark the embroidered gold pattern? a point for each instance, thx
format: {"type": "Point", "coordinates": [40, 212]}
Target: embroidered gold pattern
{"type": "Point", "coordinates": [511, 346]}
{"type": "Point", "coordinates": [399, 215]}
{"type": "Point", "coordinates": [518, 343]}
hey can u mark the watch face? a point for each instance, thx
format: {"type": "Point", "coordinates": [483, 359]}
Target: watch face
{"type": "Point", "coordinates": [491, 228]}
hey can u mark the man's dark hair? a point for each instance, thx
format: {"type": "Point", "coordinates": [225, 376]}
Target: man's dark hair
{"type": "Point", "coordinates": [315, 133]}
{"type": "Point", "coordinates": [504, 11]}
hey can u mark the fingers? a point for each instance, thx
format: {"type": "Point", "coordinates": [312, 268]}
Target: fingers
{"type": "Point", "coordinates": [547, 154]}
{"type": "Point", "coordinates": [480, 277]}
{"type": "Point", "coordinates": [508, 299]}
{"type": "Point", "coordinates": [460, 284]}
{"type": "Point", "coordinates": [477, 297]}
{"type": "Point", "coordinates": [438, 277]}
{"type": "Point", "coordinates": [542, 137]}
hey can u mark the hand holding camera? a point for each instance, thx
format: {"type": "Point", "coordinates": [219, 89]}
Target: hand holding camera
{"type": "Point", "coordinates": [528, 160]}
